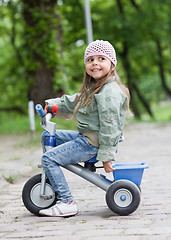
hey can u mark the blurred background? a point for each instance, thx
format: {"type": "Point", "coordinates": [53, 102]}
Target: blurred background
{"type": "Point", "coordinates": [42, 44]}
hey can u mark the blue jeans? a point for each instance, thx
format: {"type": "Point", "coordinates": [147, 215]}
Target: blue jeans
{"type": "Point", "coordinates": [71, 148]}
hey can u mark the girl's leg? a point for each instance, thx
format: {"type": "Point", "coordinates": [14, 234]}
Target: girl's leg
{"type": "Point", "coordinates": [61, 136]}
{"type": "Point", "coordinates": [71, 152]}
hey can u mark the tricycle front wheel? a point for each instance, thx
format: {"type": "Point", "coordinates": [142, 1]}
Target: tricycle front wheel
{"type": "Point", "coordinates": [32, 199]}
{"type": "Point", "coordinates": [123, 197]}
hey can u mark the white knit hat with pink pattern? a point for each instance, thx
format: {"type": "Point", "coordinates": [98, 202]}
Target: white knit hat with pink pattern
{"type": "Point", "coordinates": [102, 48]}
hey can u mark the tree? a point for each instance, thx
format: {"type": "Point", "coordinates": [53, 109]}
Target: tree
{"type": "Point", "coordinates": [40, 46]}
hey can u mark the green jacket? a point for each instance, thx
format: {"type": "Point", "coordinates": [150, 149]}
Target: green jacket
{"type": "Point", "coordinates": [105, 116]}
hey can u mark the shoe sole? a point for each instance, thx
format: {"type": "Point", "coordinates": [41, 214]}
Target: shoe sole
{"type": "Point", "coordinates": [62, 215]}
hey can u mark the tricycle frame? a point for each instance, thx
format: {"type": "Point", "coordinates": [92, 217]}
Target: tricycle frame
{"type": "Point", "coordinates": [115, 196]}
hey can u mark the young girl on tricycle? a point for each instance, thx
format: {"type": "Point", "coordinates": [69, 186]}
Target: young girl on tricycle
{"type": "Point", "coordinates": [100, 107]}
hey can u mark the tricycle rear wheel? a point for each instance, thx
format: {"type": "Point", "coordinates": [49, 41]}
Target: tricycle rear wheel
{"type": "Point", "coordinates": [123, 197]}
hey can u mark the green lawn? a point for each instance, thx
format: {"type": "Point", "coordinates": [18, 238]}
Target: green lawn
{"type": "Point", "coordinates": [20, 124]}
{"type": "Point", "coordinates": [162, 113]}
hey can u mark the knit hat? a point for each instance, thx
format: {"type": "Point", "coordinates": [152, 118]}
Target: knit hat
{"type": "Point", "coordinates": [100, 47]}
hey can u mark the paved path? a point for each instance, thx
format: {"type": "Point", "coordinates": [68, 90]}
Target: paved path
{"type": "Point", "coordinates": [152, 220]}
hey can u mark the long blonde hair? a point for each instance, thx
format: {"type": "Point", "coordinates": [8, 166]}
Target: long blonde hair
{"type": "Point", "coordinates": [90, 87]}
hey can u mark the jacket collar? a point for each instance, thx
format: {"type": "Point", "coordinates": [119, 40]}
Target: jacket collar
{"type": "Point", "coordinates": [112, 79]}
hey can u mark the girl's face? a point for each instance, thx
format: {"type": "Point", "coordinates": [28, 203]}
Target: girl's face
{"type": "Point", "coordinates": [98, 66]}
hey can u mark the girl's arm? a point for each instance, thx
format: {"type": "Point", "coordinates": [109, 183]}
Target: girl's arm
{"type": "Point", "coordinates": [110, 128]}
{"type": "Point", "coordinates": [65, 103]}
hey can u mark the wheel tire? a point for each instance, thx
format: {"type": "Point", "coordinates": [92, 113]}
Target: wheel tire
{"type": "Point", "coordinates": [31, 195]}
{"type": "Point", "coordinates": [123, 197]}
{"type": "Point", "coordinates": [139, 188]}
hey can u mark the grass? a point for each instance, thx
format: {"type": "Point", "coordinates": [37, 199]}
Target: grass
{"type": "Point", "coordinates": [11, 178]}
{"type": "Point", "coordinates": [162, 113]}
{"type": "Point", "coordinates": [17, 124]}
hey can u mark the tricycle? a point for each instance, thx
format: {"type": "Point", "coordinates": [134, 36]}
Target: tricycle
{"type": "Point", "coordinates": [123, 193]}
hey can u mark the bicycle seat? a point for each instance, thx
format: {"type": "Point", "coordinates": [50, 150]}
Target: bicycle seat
{"type": "Point", "coordinates": [92, 160]}
{"type": "Point", "coordinates": [90, 164]}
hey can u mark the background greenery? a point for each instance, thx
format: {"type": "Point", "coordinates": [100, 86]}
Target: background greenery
{"type": "Point", "coordinates": [42, 45]}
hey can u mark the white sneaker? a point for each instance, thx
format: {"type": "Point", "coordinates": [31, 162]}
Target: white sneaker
{"type": "Point", "coordinates": [61, 209]}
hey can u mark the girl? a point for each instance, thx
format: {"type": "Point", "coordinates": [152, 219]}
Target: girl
{"type": "Point", "coordinates": [100, 108]}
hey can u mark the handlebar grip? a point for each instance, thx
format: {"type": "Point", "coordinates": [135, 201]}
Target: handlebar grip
{"type": "Point", "coordinates": [40, 110]}
{"type": "Point", "coordinates": [52, 109]}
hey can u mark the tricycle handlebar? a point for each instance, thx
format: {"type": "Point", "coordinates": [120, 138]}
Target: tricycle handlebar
{"type": "Point", "coordinates": [40, 110]}
{"type": "Point", "coordinates": [45, 119]}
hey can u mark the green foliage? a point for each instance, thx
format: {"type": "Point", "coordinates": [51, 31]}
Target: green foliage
{"type": "Point", "coordinates": [40, 36]}
{"type": "Point", "coordinates": [52, 35]}
{"type": "Point", "coordinates": [12, 73]}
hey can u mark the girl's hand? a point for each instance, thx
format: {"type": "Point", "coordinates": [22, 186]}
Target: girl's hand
{"type": "Point", "coordinates": [45, 108]}
{"type": "Point", "coordinates": [108, 167]}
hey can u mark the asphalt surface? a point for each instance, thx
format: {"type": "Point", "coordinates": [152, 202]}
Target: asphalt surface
{"type": "Point", "coordinates": [149, 143]}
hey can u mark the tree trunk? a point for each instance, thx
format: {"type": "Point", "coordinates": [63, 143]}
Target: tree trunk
{"type": "Point", "coordinates": [43, 86]}
{"type": "Point", "coordinates": [161, 69]}
{"type": "Point", "coordinates": [41, 76]}
{"type": "Point", "coordinates": [143, 100]}
{"type": "Point", "coordinates": [127, 68]}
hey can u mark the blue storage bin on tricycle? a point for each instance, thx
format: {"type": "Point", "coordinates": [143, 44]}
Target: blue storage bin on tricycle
{"type": "Point", "coordinates": [129, 171]}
